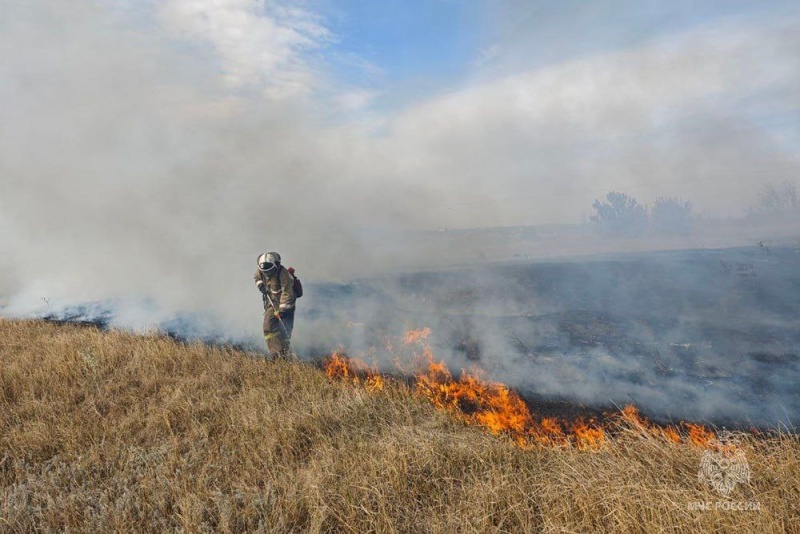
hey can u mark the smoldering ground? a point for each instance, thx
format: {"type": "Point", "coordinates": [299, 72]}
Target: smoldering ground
{"type": "Point", "coordinates": [147, 157]}
{"type": "Point", "coordinates": [707, 335]}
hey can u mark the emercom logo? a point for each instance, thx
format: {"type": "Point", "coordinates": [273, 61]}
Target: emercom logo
{"type": "Point", "coordinates": [724, 465]}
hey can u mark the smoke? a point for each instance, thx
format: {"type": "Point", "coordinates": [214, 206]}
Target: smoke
{"type": "Point", "coordinates": [150, 151]}
{"type": "Point", "coordinates": [131, 170]}
{"type": "Point", "coordinates": [685, 335]}
{"type": "Point", "coordinates": [687, 115]}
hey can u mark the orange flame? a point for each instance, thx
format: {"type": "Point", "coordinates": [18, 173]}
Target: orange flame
{"type": "Point", "coordinates": [630, 414]}
{"type": "Point", "coordinates": [374, 383]}
{"type": "Point", "coordinates": [500, 410]}
{"type": "Point", "coordinates": [588, 437]}
{"type": "Point", "coordinates": [700, 435]}
{"type": "Point", "coordinates": [416, 336]}
{"type": "Point", "coordinates": [339, 366]}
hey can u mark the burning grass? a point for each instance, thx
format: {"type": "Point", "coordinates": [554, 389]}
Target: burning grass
{"type": "Point", "coordinates": [112, 431]}
{"type": "Point", "coordinates": [502, 411]}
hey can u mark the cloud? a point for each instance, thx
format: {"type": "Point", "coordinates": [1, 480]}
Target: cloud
{"type": "Point", "coordinates": [259, 43]}
{"type": "Point", "coordinates": [355, 100]}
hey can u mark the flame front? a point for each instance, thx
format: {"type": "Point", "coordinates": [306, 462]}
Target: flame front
{"type": "Point", "coordinates": [339, 366]}
{"type": "Point", "coordinates": [500, 410]}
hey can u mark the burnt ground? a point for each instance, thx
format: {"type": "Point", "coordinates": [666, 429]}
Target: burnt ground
{"type": "Point", "coordinates": [701, 335]}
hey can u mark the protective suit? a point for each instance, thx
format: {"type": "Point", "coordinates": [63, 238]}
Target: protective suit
{"type": "Point", "coordinates": [276, 284]}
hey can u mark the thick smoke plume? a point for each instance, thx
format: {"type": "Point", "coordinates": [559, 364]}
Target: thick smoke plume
{"type": "Point", "coordinates": [129, 171]}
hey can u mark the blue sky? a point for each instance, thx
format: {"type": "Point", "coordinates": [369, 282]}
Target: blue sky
{"type": "Point", "coordinates": [419, 47]}
{"type": "Point", "coordinates": [410, 38]}
{"type": "Point", "coordinates": [409, 48]}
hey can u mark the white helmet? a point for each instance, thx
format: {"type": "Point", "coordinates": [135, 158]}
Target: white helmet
{"type": "Point", "coordinates": [268, 262]}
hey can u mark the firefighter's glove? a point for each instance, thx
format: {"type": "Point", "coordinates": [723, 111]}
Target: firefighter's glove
{"type": "Point", "coordinates": [277, 315]}
{"type": "Point", "coordinates": [263, 288]}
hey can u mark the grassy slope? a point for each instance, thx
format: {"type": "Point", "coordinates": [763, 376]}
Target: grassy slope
{"type": "Point", "coordinates": [111, 431]}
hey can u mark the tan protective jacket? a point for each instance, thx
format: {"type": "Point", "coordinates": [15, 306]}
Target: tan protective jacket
{"type": "Point", "coordinates": [280, 287]}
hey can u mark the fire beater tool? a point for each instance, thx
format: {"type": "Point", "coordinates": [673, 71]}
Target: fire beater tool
{"type": "Point", "coordinates": [278, 315]}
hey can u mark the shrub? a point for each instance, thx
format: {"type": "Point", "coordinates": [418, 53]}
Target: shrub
{"type": "Point", "coordinates": [621, 214]}
{"type": "Point", "coordinates": [672, 215]}
{"type": "Point", "coordinates": [775, 199]}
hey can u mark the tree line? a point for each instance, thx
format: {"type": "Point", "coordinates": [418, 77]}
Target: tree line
{"type": "Point", "coordinates": [622, 214]}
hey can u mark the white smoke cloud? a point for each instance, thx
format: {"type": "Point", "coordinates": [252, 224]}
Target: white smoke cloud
{"type": "Point", "coordinates": [683, 115]}
{"type": "Point", "coordinates": [128, 172]}
{"type": "Point", "coordinates": [128, 169]}
{"type": "Point", "coordinates": [259, 43]}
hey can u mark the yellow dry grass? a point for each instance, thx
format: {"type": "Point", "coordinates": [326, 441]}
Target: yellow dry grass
{"type": "Point", "coordinates": [112, 431]}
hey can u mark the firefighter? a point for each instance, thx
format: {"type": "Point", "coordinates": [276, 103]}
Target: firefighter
{"type": "Point", "coordinates": [276, 284]}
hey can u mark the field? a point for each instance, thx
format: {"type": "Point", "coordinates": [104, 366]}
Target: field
{"type": "Point", "coordinates": [109, 431]}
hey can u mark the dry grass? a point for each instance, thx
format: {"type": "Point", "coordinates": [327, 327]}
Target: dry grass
{"type": "Point", "coordinates": [115, 432]}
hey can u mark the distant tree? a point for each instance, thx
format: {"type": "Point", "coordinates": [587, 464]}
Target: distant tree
{"type": "Point", "coordinates": [621, 214]}
{"type": "Point", "coordinates": [778, 199]}
{"type": "Point", "coordinates": [672, 215]}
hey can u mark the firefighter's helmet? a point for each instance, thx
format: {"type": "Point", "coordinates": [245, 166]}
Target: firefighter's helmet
{"type": "Point", "coordinates": [268, 262]}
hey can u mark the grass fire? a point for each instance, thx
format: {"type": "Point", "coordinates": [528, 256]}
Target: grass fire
{"type": "Point", "coordinates": [502, 411]}
{"type": "Point", "coordinates": [404, 267]}
{"type": "Point", "coordinates": [112, 431]}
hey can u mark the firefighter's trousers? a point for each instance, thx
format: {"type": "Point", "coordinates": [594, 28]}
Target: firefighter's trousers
{"type": "Point", "coordinates": [278, 341]}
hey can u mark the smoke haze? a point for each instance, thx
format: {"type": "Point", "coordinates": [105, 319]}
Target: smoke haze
{"type": "Point", "coordinates": [129, 170]}
{"type": "Point", "coordinates": [150, 151]}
